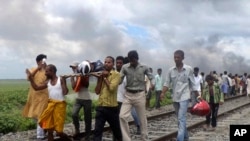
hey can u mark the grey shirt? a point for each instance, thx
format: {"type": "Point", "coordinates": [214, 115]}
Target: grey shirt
{"type": "Point", "coordinates": [135, 76]}
{"type": "Point", "coordinates": [84, 94]}
{"type": "Point", "coordinates": [181, 82]}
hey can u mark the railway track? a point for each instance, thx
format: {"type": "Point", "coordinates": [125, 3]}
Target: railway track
{"type": "Point", "coordinates": [163, 126]}
{"type": "Point", "coordinates": [238, 116]}
{"type": "Point", "coordinates": [226, 112]}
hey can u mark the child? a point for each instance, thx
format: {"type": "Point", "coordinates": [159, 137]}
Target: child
{"type": "Point", "coordinates": [212, 94]}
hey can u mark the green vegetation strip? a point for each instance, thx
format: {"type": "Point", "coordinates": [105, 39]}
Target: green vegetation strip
{"type": "Point", "coordinates": [13, 96]}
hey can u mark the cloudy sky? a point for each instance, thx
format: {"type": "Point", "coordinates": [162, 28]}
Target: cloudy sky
{"type": "Point", "coordinates": [214, 34]}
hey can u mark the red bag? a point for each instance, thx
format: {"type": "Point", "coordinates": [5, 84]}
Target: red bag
{"type": "Point", "coordinates": [201, 108]}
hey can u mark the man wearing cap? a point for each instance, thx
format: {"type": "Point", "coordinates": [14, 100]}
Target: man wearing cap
{"type": "Point", "coordinates": [83, 100]}
{"type": "Point", "coordinates": [37, 100]}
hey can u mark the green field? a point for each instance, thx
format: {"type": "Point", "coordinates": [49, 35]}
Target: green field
{"type": "Point", "coordinates": [13, 84]}
{"type": "Point", "coordinates": [13, 96]}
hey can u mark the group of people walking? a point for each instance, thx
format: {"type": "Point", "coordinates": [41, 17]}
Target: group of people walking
{"type": "Point", "coordinates": [122, 90]}
{"type": "Point", "coordinates": [232, 85]}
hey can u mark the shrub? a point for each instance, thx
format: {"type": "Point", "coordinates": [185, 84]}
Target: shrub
{"type": "Point", "coordinates": [166, 101]}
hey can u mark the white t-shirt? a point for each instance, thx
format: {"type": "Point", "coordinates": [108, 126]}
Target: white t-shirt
{"type": "Point", "coordinates": [230, 81]}
{"type": "Point", "coordinates": [121, 90]}
{"type": "Point", "coordinates": [198, 81]}
{"type": "Point", "coordinates": [55, 92]}
{"type": "Point", "coordinates": [147, 81]}
{"type": "Point", "coordinates": [248, 85]}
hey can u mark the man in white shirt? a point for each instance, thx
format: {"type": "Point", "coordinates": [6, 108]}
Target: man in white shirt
{"type": "Point", "coordinates": [158, 88]}
{"type": "Point", "coordinates": [181, 79]}
{"type": "Point", "coordinates": [225, 83]}
{"type": "Point", "coordinates": [230, 84]}
{"type": "Point", "coordinates": [197, 87]}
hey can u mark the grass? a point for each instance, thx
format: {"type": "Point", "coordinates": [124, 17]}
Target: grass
{"type": "Point", "coordinates": [14, 94]}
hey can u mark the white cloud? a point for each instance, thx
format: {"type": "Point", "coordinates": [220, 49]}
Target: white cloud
{"type": "Point", "coordinates": [215, 32]}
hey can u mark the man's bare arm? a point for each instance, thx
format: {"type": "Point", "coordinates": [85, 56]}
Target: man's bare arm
{"type": "Point", "coordinates": [163, 93]}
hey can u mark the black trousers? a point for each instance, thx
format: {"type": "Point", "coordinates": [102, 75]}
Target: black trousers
{"type": "Point", "coordinates": [157, 99]}
{"type": "Point", "coordinates": [212, 116]}
{"type": "Point", "coordinates": [111, 115]}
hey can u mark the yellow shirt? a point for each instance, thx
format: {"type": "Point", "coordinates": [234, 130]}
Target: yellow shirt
{"type": "Point", "coordinates": [108, 96]}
